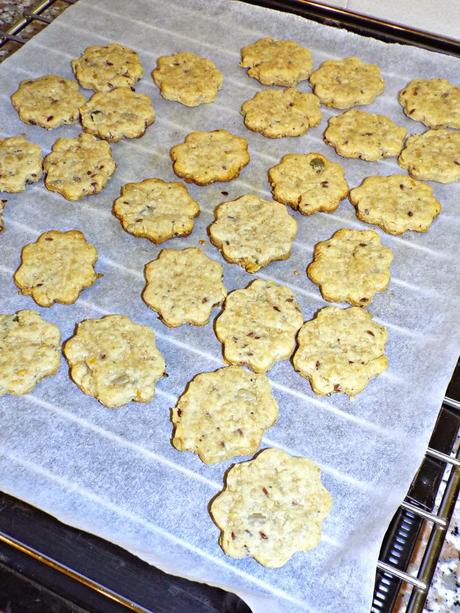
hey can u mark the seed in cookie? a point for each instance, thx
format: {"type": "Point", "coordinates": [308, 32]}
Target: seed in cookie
{"type": "Point", "coordinates": [352, 266]}
{"type": "Point", "coordinates": [78, 167]}
{"type": "Point", "coordinates": [253, 232]}
{"type": "Point", "coordinates": [206, 157]}
{"type": "Point", "coordinates": [187, 78]}
{"type": "Point", "coordinates": [258, 325]}
{"type": "Point", "coordinates": [49, 101]}
{"type": "Point", "coordinates": [30, 350]}
{"type": "Point", "coordinates": [271, 507]}
{"type": "Point", "coordinates": [432, 156]}
{"type": "Point", "coordinates": [434, 102]}
{"type": "Point", "coordinates": [156, 209]}
{"type": "Point", "coordinates": [20, 163]}
{"type": "Point", "coordinates": [277, 62]}
{"type": "Point", "coordinates": [105, 68]}
{"type": "Point", "coordinates": [308, 182]}
{"type": "Point", "coordinates": [344, 83]}
{"type": "Point", "coordinates": [114, 360]}
{"type": "Point", "coordinates": [396, 203]}
{"type": "Point", "coordinates": [183, 286]}
{"type": "Point", "coordinates": [357, 134]}
{"type": "Point", "coordinates": [340, 350]}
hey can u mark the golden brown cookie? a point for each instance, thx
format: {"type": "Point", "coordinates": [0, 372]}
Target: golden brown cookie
{"type": "Point", "coordinates": [20, 163]}
{"type": "Point", "coordinates": [432, 156]}
{"type": "Point", "coordinates": [434, 102]}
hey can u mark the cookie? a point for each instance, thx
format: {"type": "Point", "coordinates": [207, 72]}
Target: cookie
{"type": "Point", "coordinates": [20, 163]}
{"type": "Point", "coordinates": [258, 325]}
{"type": "Point", "coordinates": [277, 62]}
{"type": "Point", "coordinates": [396, 203]}
{"type": "Point", "coordinates": [281, 112]}
{"type": "Point", "coordinates": [253, 232]}
{"type": "Point", "coordinates": [49, 101]}
{"type": "Point", "coordinates": [432, 156]}
{"type": "Point", "coordinates": [78, 167]}
{"type": "Point", "coordinates": [30, 350]}
{"type": "Point", "coordinates": [357, 134]}
{"type": "Point", "coordinates": [434, 102]}
{"type": "Point", "coordinates": [308, 182]}
{"type": "Point", "coordinates": [114, 360]}
{"type": "Point", "coordinates": [105, 68]}
{"type": "Point", "coordinates": [223, 414]}
{"type": "Point", "coordinates": [352, 266]}
{"type": "Point", "coordinates": [156, 209]}
{"type": "Point", "coordinates": [206, 157]}
{"type": "Point", "coordinates": [340, 350]}
{"type": "Point", "coordinates": [344, 83]}
{"type": "Point", "coordinates": [271, 507]}
{"type": "Point", "coordinates": [183, 286]}
{"type": "Point", "coordinates": [56, 268]}
{"type": "Point", "coordinates": [187, 78]}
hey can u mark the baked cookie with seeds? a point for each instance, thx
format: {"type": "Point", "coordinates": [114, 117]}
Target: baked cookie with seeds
{"type": "Point", "coordinates": [277, 62]}
{"type": "Point", "coordinates": [156, 209]}
{"type": "Point", "coordinates": [281, 112]}
{"type": "Point", "coordinates": [187, 78]}
{"type": "Point", "coordinates": [253, 232]}
{"type": "Point", "coordinates": [183, 286]}
{"type": "Point", "coordinates": [223, 414]}
{"type": "Point", "coordinates": [357, 134]}
{"type": "Point", "coordinates": [308, 182]}
{"type": "Point", "coordinates": [344, 83]}
{"type": "Point", "coordinates": [78, 167]}
{"type": "Point", "coordinates": [57, 267]}
{"type": "Point", "coordinates": [396, 203]}
{"type": "Point", "coordinates": [30, 350]}
{"type": "Point", "coordinates": [206, 157]}
{"type": "Point", "coordinates": [258, 325]}
{"type": "Point", "coordinates": [271, 507]}
{"type": "Point", "coordinates": [352, 266]}
{"type": "Point", "coordinates": [119, 113]}
{"type": "Point", "coordinates": [49, 101]}
{"type": "Point", "coordinates": [432, 156]}
{"type": "Point", "coordinates": [434, 102]}
{"type": "Point", "coordinates": [20, 163]}
{"type": "Point", "coordinates": [104, 68]}
{"type": "Point", "coordinates": [340, 350]}
{"type": "Point", "coordinates": [114, 360]}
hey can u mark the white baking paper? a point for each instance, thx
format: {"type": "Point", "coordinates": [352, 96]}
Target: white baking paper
{"type": "Point", "coordinates": [114, 472]}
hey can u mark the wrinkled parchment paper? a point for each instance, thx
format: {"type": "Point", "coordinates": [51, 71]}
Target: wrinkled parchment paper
{"type": "Point", "coordinates": [114, 472]}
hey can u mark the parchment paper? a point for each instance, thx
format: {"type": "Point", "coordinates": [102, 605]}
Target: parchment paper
{"type": "Point", "coordinates": [114, 472]}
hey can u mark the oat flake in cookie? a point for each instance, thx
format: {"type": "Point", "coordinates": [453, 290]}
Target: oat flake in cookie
{"type": "Point", "coordinates": [271, 507]}
{"type": "Point", "coordinates": [432, 156]}
{"type": "Point", "coordinates": [20, 163]}
{"type": "Point", "coordinates": [434, 102]}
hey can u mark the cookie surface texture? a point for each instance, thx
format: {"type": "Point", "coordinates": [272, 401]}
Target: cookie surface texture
{"type": "Point", "coordinates": [340, 350]}
{"type": "Point", "coordinates": [434, 102]}
{"type": "Point", "coordinates": [56, 268]}
{"type": "Point", "coordinates": [205, 157]}
{"type": "Point", "coordinates": [223, 414]}
{"type": "Point", "coordinates": [20, 163]}
{"type": "Point", "coordinates": [119, 113]}
{"type": "Point", "coordinates": [271, 507]}
{"type": "Point", "coordinates": [156, 209]}
{"type": "Point", "coordinates": [396, 203]}
{"type": "Point", "coordinates": [281, 112]}
{"type": "Point", "coordinates": [114, 360]}
{"type": "Point", "coordinates": [49, 101]}
{"type": "Point", "coordinates": [352, 266]}
{"type": "Point", "coordinates": [258, 325]}
{"type": "Point", "coordinates": [105, 68]}
{"type": "Point", "coordinates": [277, 62]}
{"type": "Point", "coordinates": [308, 182]}
{"type": "Point", "coordinates": [30, 350]}
{"type": "Point", "coordinates": [187, 78]}
{"type": "Point", "coordinates": [344, 83]}
{"type": "Point", "coordinates": [183, 286]}
{"type": "Point", "coordinates": [357, 134]}
{"type": "Point", "coordinates": [78, 167]}
{"type": "Point", "coordinates": [432, 156]}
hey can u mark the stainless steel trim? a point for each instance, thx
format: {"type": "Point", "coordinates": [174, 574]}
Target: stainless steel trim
{"type": "Point", "coordinates": [434, 453]}
{"type": "Point", "coordinates": [400, 574]}
{"type": "Point", "coordinates": [432, 517]}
